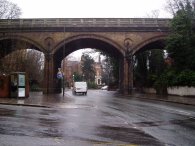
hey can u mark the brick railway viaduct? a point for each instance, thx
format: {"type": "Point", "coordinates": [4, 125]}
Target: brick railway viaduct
{"type": "Point", "coordinates": [58, 37]}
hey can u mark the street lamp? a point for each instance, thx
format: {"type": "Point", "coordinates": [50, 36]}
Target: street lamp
{"type": "Point", "coordinates": [129, 57]}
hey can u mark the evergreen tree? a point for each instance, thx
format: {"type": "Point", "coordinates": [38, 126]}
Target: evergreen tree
{"type": "Point", "coordinates": [156, 66]}
{"type": "Point", "coordinates": [87, 67]}
{"type": "Point", "coordinates": [110, 70]}
{"type": "Point", "coordinates": [140, 71]}
{"type": "Point", "coordinates": [77, 77]}
{"type": "Point", "coordinates": [181, 46]}
{"type": "Point", "coordinates": [181, 43]}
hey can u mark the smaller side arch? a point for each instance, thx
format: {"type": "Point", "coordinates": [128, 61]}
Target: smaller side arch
{"type": "Point", "coordinates": [25, 39]}
{"type": "Point", "coordinates": [148, 41]}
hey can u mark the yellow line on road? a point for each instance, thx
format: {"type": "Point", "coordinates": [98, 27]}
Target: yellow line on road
{"type": "Point", "coordinates": [111, 143]}
{"type": "Point", "coordinates": [127, 145]}
{"type": "Point", "coordinates": [102, 143]}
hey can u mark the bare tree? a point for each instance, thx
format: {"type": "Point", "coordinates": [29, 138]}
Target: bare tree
{"type": "Point", "coordinates": [34, 65]}
{"type": "Point", "coordinates": [25, 60]}
{"type": "Point", "coordinates": [174, 5]}
{"type": "Point", "coordinates": [153, 14]}
{"type": "Point", "coordinates": [9, 10]}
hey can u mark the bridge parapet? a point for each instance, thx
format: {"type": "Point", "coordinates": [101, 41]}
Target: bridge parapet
{"type": "Point", "coordinates": [85, 22]}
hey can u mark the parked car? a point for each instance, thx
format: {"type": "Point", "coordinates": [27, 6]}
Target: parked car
{"type": "Point", "coordinates": [105, 87]}
{"type": "Point", "coordinates": [80, 87]}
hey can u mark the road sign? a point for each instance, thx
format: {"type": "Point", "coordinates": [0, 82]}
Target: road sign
{"type": "Point", "coordinates": [59, 75]}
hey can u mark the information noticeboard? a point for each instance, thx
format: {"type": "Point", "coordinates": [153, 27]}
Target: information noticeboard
{"type": "Point", "coordinates": [21, 92]}
{"type": "Point", "coordinates": [21, 80]}
{"type": "Point", "coordinates": [18, 84]}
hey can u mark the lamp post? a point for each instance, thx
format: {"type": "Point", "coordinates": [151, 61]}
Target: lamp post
{"type": "Point", "coordinates": [73, 77]}
{"type": "Point", "coordinates": [47, 58]}
{"type": "Point", "coordinates": [83, 77]}
{"type": "Point", "coordinates": [129, 57]}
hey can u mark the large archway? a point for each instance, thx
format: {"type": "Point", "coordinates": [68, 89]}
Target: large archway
{"type": "Point", "coordinates": [72, 44]}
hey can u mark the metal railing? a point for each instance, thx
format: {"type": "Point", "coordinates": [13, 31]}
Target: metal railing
{"type": "Point", "coordinates": [86, 22]}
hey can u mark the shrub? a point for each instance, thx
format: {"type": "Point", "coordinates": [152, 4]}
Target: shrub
{"type": "Point", "coordinates": [186, 78]}
{"type": "Point", "coordinates": [92, 85]}
{"type": "Point", "coordinates": [172, 78]}
{"type": "Point", "coordinates": [35, 88]}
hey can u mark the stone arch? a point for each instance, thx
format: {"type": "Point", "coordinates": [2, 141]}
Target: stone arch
{"type": "Point", "coordinates": [89, 36]}
{"type": "Point", "coordinates": [25, 39]}
{"type": "Point", "coordinates": [138, 47]}
{"type": "Point", "coordinates": [81, 41]}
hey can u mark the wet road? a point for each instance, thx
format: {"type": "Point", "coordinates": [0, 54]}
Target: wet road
{"type": "Point", "coordinates": [101, 118]}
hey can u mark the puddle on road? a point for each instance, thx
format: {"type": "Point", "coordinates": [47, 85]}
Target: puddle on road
{"type": "Point", "coordinates": [128, 135]}
{"type": "Point", "coordinates": [76, 106]}
{"type": "Point", "coordinates": [6, 112]}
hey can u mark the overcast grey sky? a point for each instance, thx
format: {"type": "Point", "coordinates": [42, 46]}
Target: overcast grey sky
{"type": "Point", "coordinates": [91, 8]}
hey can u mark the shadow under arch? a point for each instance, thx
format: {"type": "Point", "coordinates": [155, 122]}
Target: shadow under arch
{"type": "Point", "coordinates": [16, 41]}
{"type": "Point", "coordinates": [157, 42]}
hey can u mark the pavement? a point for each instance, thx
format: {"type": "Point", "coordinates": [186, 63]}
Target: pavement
{"type": "Point", "coordinates": [56, 100]}
{"type": "Point", "coordinates": [188, 100]}
{"type": "Point", "coordinates": [37, 99]}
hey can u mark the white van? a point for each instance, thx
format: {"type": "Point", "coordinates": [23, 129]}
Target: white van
{"type": "Point", "coordinates": [80, 87]}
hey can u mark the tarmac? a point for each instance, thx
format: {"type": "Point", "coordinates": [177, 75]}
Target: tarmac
{"type": "Point", "coordinates": [37, 99]}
